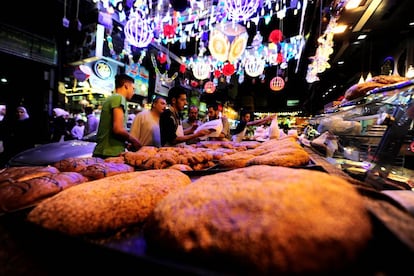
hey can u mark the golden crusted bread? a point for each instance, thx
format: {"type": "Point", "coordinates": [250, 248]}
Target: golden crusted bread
{"type": "Point", "coordinates": [285, 152]}
{"type": "Point", "coordinates": [107, 204]}
{"type": "Point", "coordinates": [105, 169]}
{"type": "Point", "coordinates": [76, 164]}
{"type": "Point", "coordinates": [265, 219]}
{"type": "Point", "coordinates": [18, 194]}
{"type": "Point", "coordinates": [12, 174]}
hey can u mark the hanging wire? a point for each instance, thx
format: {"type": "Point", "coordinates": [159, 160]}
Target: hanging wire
{"type": "Point", "coordinates": [77, 9]}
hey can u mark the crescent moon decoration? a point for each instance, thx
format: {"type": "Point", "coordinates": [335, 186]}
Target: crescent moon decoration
{"type": "Point", "coordinates": [163, 76]}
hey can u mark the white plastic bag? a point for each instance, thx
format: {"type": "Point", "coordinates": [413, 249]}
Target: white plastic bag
{"type": "Point", "coordinates": [216, 125]}
{"type": "Point", "coordinates": [274, 132]}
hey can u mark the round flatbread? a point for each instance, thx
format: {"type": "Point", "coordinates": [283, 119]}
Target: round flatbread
{"type": "Point", "coordinates": [265, 219]}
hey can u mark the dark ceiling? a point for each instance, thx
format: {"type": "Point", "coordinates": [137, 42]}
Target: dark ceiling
{"type": "Point", "coordinates": [386, 29]}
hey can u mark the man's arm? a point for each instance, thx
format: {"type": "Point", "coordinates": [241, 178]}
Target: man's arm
{"type": "Point", "coordinates": [261, 121]}
{"type": "Point", "coordinates": [119, 129]}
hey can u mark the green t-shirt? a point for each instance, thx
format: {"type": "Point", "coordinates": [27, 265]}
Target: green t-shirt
{"type": "Point", "coordinates": [108, 144]}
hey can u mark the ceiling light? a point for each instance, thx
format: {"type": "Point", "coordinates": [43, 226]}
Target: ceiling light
{"type": "Point", "coordinates": [352, 4]}
{"type": "Point", "coordinates": [362, 36]}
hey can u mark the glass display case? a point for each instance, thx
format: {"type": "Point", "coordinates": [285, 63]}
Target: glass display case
{"type": "Point", "coordinates": [375, 136]}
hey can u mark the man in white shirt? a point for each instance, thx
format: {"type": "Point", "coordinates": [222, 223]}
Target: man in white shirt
{"type": "Point", "coordinates": [146, 124]}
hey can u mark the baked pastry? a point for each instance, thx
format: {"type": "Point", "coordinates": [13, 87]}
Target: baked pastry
{"type": "Point", "coordinates": [18, 194]}
{"type": "Point", "coordinates": [105, 169]}
{"type": "Point", "coordinates": [264, 220]}
{"type": "Point", "coordinates": [108, 204]}
{"type": "Point", "coordinates": [76, 164]}
{"type": "Point", "coordinates": [287, 157]}
{"type": "Point", "coordinates": [12, 174]}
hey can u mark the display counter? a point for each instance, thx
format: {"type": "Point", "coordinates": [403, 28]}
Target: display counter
{"type": "Point", "coordinates": [28, 249]}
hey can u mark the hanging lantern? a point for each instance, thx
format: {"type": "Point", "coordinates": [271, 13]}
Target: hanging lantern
{"type": "Point", "coordinates": [277, 84]}
{"type": "Point", "coordinates": [138, 32]}
{"type": "Point", "coordinates": [201, 70]}
{"type": "Point", "coordinates": [169, 31]}
{"type": "Point", "coordinates": [182, 68]}
{"type": "Point", "coordinates": [217, 73]}
{"type": "Point", "coordinates": [228, 42]}
{"type": "Point", "coordinates": [219, 45]}
{"type": "Point", "coordinates": [254, 66]}
{"type": "Point", "coordinates": [194, 83]}
{"type": "Point", "coordinates": [240, 10]}
{"type": "Point", "coordinates": [228, 69]}
{"type": "Point", "coordinates": [209, 87]}
{"type": "Point", "coordinates": [275, 36]}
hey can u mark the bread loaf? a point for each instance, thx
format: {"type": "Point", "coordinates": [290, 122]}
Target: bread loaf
{"type": "Point", "coordinates": [264, 220]}
{"type": "Point", "coordinates": [107, 204]}
{"type": "Point", "coordinates": [18, 194]}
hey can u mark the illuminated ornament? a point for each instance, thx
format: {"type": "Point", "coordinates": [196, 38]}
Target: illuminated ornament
{"type": "Point", "coordinates": [219, 45]}
{"type": "Point", "coordinates": [209, 87]}
{"type": "Point", "coordinates": [194, 83]}
{"type": "Point", "coordinates": [138, 32]}
{"type": "Point", "coordinates": [228, 42]}
{"type": "Point", "coordinates": [254, 66]}
{"type": "Point", "coordinates": [182, 68]}
{"type": "Point", "coordinates": [228, 69]}
{"type": "Point", "coordinates": [279, 58]}
{"type": "Point", "coordinates": [257, 40]}
{"type": "Point", "coordinates": [275, 36]}
{"type": "Point", "coordinates": [277, 84]}
{"type": "Point", "coordinates": [240, 10]}
{"type": "Point", "coordinates": [162, 58]}
{"type": "Point", "coordinates": [169, 31]}
{"type": "Point", "coordinates": [201, 70]}
{"type": "Point", "coordinates": [217, 73]}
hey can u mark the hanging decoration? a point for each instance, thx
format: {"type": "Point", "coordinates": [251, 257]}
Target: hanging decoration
{"type": "Point", "coordinates": [228, 69]}
{"type": "Point", "coordinates": [201, 70]}
{"type": "Point", "coordinates": [240, 10]}
{"type": "Point", "coordinates": [276, 36]}
{"type": "Point", "coordinates": [137, 31]}
{"type": "Point", "coordinates": [218, 27]}
{"type": "Point", "coordinates": [254, 66]}
{"type": "Point", "coordinates": [209, 87]}
{"type": "Point", "coordinates": [163, 77]}
{"type": "Point", "coordinates": [277, 84]}
{"type": "Point", "coordinates": [228, 42]}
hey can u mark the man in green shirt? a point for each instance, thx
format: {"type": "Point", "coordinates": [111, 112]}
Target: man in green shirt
{"type": "Point", "coordinates": [113, 136]}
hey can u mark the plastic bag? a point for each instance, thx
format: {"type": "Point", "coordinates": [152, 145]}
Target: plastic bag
{"type": "Point", "coordinates": [215, 125]}
{"type": "Point", "coordinates": [274, 132]}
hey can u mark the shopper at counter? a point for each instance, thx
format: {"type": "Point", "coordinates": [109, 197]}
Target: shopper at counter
{"type": "Point", "coordinates": [146, 124]}
{"type": "Point", "coordinates": [240, 130]}
{"type": "Point", "coordinates": [214, 114]}
{"type": "Point", "coordinates": [191, 123]}
{"type": "Point", "coordinates": [171, 127]}
{"type": "Point", "coordinates": [113, 137]}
